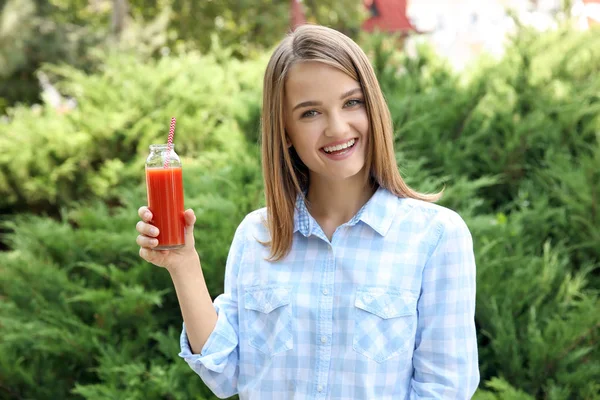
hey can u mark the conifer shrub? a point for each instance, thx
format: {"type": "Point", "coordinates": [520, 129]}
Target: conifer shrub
{"type": "Point", "coordinates": [50, 159]}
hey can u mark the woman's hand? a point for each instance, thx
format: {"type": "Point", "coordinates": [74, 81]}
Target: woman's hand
{"type": "Point", "coordinates": [169, 259]}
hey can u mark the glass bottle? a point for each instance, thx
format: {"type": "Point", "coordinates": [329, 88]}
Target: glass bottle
{"type": "Point", "coordinates": [164, 187]}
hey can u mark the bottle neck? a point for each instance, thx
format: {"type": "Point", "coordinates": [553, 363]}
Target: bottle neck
{"type": "Point", "coordinates": [160, 156]}
{"type": "Point", "coordinates": [161, 147]}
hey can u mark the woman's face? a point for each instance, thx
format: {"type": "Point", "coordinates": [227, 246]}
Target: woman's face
{"type": "Point", "coordinates": [326, 120]}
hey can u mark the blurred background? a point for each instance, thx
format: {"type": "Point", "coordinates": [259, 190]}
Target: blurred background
{"type": "Point", "coordinates": [498, 101]}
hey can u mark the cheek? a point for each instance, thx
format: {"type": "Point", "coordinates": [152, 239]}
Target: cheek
{"type": "Point", "coordinates": [305, 149]}
{"type": "Point", "coordinates": [305, 136]}
{"type": "Point", "coordinates": [362, 122]}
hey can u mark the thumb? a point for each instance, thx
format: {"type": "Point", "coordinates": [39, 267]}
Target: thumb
{"type": "Point", "coordinates": [190, 220]}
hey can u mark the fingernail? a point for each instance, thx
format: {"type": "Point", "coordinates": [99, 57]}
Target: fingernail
{"type": "Point", "coordinates": [147, 215]}
{"type": "Point", "coordinates": [154, 231]}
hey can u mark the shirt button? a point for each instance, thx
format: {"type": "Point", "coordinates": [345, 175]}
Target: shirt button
{"type": "Point", "coordinates": [323, 339]}
{"type": "Point", "coordinates": [319, 388]}
{"type": "Point", "coordinates": [325, 292]}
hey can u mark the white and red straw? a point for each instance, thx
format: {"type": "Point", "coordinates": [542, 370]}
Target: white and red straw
{"type": "Point", "coordinates": [170, 142]}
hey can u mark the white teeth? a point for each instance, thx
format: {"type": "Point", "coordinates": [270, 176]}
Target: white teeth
{"type": "Point", "coordinates": [330, 149]}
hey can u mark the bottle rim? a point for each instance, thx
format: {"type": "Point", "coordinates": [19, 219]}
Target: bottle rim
{"type": "Point", "coordinates": [161, 146]}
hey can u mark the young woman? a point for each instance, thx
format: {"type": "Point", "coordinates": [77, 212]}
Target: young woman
{"type": "Point", "coordinates": [349, 284]}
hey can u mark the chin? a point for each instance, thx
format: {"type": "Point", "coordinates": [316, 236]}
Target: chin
{"type": "Point", "coordinates": [345, 173]}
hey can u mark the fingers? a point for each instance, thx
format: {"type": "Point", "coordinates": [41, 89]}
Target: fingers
{"type": "Point", "coordinates": [190, 220]}
{"type": "Point", "coordinates": [146, 229]}
{"type": "Point", "coordinates": [147, 242]}
{"type": "Point", "coordinates": [145, 214]}
{"type": "Point", "coordinates": [146, 253]}
{"type": "Point", "coordinates": [190, 217]}
{"type": "Point", "coordinates": [152, 256]}
{"type": "Point", "coordinates": [147, 237]}
{"type": "Point", "coordinates": [148, 232]}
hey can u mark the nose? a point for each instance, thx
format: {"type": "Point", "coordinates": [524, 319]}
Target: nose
{"type": "Point", "coordinates": [336, 125]}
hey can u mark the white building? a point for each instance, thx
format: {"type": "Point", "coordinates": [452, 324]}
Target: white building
{"type": "Point", "coordinates": [462, 29]}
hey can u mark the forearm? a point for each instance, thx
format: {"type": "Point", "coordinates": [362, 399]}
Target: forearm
{"type": "Point", "coordinates": [195, 302]}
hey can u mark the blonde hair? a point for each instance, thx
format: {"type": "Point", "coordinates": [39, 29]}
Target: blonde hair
{"type": "Point", "coordinates": [285, 175]}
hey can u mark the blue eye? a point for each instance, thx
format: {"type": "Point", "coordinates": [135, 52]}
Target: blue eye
{"type": "Point", "coordinates": [353, 102]}
{"type": "Point", "coordinates": [308, 114]}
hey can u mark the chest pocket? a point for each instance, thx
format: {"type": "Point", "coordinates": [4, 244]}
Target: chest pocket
{"type": "Point", "coordinates": [269, 318]}
{"type": "Point", "coordinates": [385, 322]}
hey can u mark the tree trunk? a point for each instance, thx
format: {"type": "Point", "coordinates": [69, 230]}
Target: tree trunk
{"type": "Point", "coordinates": [119, 15]}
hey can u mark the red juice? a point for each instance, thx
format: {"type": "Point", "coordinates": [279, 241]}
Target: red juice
{"type": "Point", "coordinates": [165, 200]}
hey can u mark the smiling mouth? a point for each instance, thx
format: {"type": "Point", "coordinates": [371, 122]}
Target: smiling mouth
{"type": "Point", "coordinates": [341, 147]}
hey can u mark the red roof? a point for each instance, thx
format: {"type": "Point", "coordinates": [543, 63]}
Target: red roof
{"type": "Point", "coordinates": [387, 16]}
{"type": "Point", "coordinates": [592, 21]}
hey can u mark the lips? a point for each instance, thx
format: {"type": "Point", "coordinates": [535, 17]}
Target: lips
{"type": "Point", "coordinates": [340, 145]}
{"type": "Point", "coordinates": [342, 154]}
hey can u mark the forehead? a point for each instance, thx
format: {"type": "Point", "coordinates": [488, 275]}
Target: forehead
{"type": "Point", "coordinates": [316, 78]}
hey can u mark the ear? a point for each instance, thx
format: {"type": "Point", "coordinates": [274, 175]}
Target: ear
{"type": "Point", "coordinates": [288, 142]}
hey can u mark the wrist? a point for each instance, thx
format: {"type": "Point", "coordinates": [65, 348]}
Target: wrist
{"type": "Point", "coordinates": [187, 264]}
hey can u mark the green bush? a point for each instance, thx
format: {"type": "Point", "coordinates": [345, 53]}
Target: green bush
{"type": "Point", "coordinates": [33, 32]}
{"type": "Point", "coordinates": [49, 159]}
{"type": "Point", "coordinates": [515, 142]}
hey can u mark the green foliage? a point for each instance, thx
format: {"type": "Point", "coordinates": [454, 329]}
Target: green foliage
{"type": "Point", "coordinates": [514, 143]}
{"type": "Point", "coordinates": [48, 159]}
{"type": "Point", "coordinates": [503, 391]}
{"type": "Point", "coordinates": [246, 26]}
{"type": "Point", "coordinates": [32, 32]}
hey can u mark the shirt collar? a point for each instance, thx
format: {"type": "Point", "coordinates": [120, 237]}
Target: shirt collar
{"type": "Point", "coordinates": [302, 218]}
{"type": "Point", "coordinates": [378, 213]}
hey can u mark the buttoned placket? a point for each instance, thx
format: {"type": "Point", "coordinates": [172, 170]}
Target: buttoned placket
{"type": "Point", "coordinates": [325, 324]}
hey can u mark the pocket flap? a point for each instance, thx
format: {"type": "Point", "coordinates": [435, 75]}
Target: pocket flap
{"type": "Point", "coordinates": [385, 303]}
{"type": "Point", "coordinates": [266, 299]}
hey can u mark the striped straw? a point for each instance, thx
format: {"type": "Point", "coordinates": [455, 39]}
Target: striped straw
{"type": "Point", "coordinates": [170, 142]}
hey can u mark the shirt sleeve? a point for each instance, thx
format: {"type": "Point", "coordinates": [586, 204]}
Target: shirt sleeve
{"type": "Point", "coordinates": [218, 361]}
{"type": "Point", "coordinates": [445, 359]}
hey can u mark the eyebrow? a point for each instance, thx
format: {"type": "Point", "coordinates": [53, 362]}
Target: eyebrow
{"type": "Point", "coordinates": [318, 103]}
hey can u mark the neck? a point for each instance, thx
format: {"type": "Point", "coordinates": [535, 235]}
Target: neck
{"type": "Point", "coordinates": [336, 202]}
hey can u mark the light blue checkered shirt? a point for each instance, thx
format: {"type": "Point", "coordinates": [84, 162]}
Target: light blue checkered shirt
{"type": "Point", "coordinates": [383, 311]}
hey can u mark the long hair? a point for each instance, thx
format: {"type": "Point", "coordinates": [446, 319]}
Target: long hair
{"type": "Point", "coordinates": [285, 175]}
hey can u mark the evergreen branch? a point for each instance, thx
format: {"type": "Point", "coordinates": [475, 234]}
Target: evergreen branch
{"type": "Point", "coordinates": [14, 185]}
{"type": "Point", "coordinates": [10, 391]}
{"type": "Point", "coordinates": [552, 365]}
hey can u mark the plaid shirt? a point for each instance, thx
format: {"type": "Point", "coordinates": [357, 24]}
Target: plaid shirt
{"type": "Point", "coordinates": [385, 310]}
